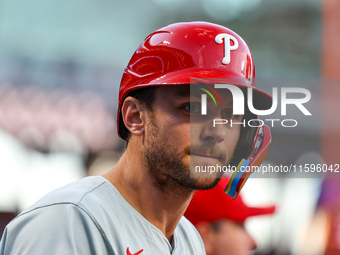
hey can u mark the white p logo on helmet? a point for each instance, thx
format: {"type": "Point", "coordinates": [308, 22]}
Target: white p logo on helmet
{"type": "Point", "coordinates": [227, 46]}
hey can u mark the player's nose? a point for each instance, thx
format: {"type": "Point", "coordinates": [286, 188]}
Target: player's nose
{"type": "Point", "coordinates": [213, 133]}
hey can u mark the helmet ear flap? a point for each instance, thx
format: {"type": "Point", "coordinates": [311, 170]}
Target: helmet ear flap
{"type": "Point", "coordinates": [251, 162]}
{"type": "Point", "coordinates": [245, 142]}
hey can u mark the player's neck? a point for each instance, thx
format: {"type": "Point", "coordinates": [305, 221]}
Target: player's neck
{"type": "Point", "coordinates": [162, 207]}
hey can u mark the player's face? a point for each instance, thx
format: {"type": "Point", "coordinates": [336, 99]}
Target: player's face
{"type": "Point", "coordinates": [231, 238]}
{"type": "Point", "coordinates": [178, 138]}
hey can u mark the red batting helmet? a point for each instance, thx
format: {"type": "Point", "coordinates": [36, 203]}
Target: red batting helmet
{"type": "Point", "coordinates": [213, 205]}
{"type": "Point", "coordinates": [176, 53]}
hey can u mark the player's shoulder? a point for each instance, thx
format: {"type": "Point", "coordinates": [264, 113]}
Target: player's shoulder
{"type": "Point", "coordinates": [72, 193]}
{"type": "Point", "coordinates": [189, 234]}
{"type": "Point", "coordinates": [63, 217]}
{"type": "Point", "coordinates": [185, 222]}
{"type": "Point", "coordinates": [186, 227]}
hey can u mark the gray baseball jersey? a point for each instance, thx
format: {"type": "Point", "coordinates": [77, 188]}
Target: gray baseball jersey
{"type": "Point", "coordinates": [91, 217]}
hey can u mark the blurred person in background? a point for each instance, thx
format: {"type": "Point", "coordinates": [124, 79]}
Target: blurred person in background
{"type": "Point", "coordinates": [220, 220]}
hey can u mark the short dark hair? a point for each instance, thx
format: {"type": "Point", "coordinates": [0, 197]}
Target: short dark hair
{"type": "Point", "coordinates": [145, 96]}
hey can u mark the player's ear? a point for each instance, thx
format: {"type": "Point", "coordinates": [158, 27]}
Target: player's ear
{"type": "Point", "coordinates": [207, 234]}
{"type": "Point", "coordinates": [133, 114]}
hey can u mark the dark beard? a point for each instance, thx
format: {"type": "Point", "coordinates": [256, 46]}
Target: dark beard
{"type": "Point", "coordinates": [166, 165]}
{"type": "Point", "coordinates": [169, 171]}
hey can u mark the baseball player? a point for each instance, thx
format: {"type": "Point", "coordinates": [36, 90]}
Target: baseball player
{"type": "Point", "coordinates": [137, 207]}
{"type": "Point", "coordinates": [220, 220]}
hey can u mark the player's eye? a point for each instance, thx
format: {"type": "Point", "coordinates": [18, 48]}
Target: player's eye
{"type": "Point", "coordinates": [227, 113]}
{"type": "Point", "coordinates": [192, 108]}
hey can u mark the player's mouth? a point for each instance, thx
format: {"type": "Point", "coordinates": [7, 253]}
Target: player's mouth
{"type": "Point", "coordinates": [205, 155]}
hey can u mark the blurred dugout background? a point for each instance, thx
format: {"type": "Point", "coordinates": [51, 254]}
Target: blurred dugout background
{"type": "Point", "coordinates": [60, 69]}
